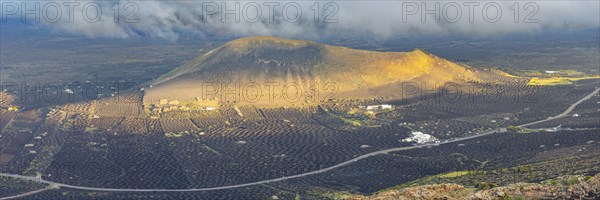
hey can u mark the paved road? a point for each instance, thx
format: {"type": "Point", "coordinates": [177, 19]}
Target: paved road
{"type": "Point", "coordinates": [567, 111]}
{"type": "Point", "coordinates": [26, 193]}
{"type": "Point", "coordinates": [385, 151]}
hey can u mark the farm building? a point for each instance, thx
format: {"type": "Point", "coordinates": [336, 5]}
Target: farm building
{"type": "Point", "coordinates": [377, 107]}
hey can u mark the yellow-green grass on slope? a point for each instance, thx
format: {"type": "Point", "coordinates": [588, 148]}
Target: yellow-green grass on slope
{"type": "Point", "coordinates": [448, 175]}
{"type": "Point", "coordinates": [556, 80]}
{"type": "Point", "coordinates": [334, 195]}
{"type": "Point", "coordinates": [455, 174]}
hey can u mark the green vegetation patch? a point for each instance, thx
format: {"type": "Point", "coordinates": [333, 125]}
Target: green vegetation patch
{"type": "Point", "coordinates": [334, 195]}
{"type": "Point", "coordinates": [455, 174]}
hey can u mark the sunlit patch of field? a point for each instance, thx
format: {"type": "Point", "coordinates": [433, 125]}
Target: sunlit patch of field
{"type": "Point", "coordinates": [556, 80]}
{"type": "Point", "coordinates": [546, 74]}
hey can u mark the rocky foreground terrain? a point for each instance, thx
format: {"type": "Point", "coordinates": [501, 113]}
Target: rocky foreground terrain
{"type": "Point", "coordinates": [567, 187]}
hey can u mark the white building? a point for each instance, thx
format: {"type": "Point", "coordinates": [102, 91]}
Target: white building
{"type": "Point", "coordinates": [420, 138]}
{"type": "Point", "coordinates": [208, 108]}
{"type": "Point", "coordinates": [377, 107]}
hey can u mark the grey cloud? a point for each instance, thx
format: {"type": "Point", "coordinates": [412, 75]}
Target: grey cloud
{"type": "Point", "coordinates": [170, 19]}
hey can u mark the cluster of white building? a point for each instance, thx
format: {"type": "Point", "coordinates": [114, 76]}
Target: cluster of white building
{"type": "Point", "coordinates": [421, 138]}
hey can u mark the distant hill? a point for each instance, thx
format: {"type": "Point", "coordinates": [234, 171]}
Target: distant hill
{"type": "Point", "coordinates": [269, 60]}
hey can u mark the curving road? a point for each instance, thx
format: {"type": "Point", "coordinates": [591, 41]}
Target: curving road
{"type": "Point", "coordinates": [26, 194]}
{"type": "Point", "coordinates": [567, 111]}
{"type": "Point", "coordinates": [59, 185]}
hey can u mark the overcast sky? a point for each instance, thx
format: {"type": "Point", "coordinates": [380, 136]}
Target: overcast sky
{"type": "Point", "coordinates": [383, 19]}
